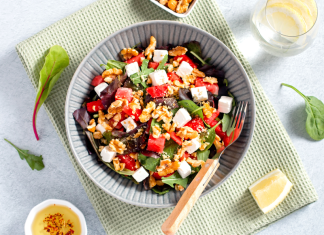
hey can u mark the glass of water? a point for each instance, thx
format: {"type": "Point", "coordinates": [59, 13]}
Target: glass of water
{"type": "Point", "coordinates": [285, 27]}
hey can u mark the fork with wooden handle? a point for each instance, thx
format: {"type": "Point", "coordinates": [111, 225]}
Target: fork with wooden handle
{"type": "Point", "coordinates": [197, 186]}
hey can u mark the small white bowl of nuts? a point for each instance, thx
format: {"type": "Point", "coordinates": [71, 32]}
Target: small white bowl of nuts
{"type": "Point", "coordinates": [179, 8]}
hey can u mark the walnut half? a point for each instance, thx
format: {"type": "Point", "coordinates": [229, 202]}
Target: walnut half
{"type": "Point", "coordinates": [150, 49]}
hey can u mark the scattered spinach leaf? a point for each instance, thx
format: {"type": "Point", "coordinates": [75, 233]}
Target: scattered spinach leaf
{"type": "Point", "coordinates": [175, 179]}
{"type": "Point", "coordinates": [198, 57]}
{"type": "Point", "coordinates": [148, 162]}
{"type": "Point", "coordinates": [191, 107]}
{"type": "Point", "coordinates": [194, 46]}
{"type": "Point", "coordinates": [315, 115]}
{"type": "Point", "coordinates": [226, 82]}
{"type": "Point", "coordinates": [108, 136]}
{"type": "Point", "coordinates": [161, 191]}
{"type": "Point", "coordinates": [133, 47]}
{"type": "Point", "coordinates": [174, 111]}
{"type": "Point", "coordinates": [211, 135]}
{"type": "Point", "coordinates": [203, 155]}
{"type": "Point", "coordinates": [55, 62]}
{"type": "Point", "coordinates": [231, 95]}
{"type": "Point", "coordinates": [208, 60]}
{"type": "Point", "coordinates": [141, 76]}
{"type": "Point", "coordinates": [114, 64]}
{"type": "Point", "coordinates": [162, 63]}
{"type": "Point", "coordinates": [34, 162]}
{"type": "Point", "coordinates": [225, 122]}
{"type": "Point", "coordinates": [170, 148]}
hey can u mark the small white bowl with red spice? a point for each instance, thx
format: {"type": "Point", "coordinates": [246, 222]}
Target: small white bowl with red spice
{"type": "Point", "coordinates": [180, 15]}
{"type": "Point", "coordinates": [49, 208]}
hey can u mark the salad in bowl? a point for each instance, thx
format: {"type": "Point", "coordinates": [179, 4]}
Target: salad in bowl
{"type": "Point", "coordinates": [158, 114]}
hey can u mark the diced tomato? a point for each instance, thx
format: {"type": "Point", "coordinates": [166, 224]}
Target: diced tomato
{"type": "Point", "coordinates": [213, 88]}
{"type": "Point", "coordinates": [184, 156]}
{"type": "Point", "coordinates": [176, 138]}
{"type": "Point", "coordinates": [228, 139]}
{"type": "Point", "coordinates": [211, 121]}
{"type": "Point", "coordinates": [94, 106]}
{"type": "Point", "coordinates": [129, 162]}
{"type": "Point", "coordinates": [157, 91]}
{"type": "Point", "coordinates": [158, 177]}
{"type": "Point", "coordinates": [187, 59]}
{"type": "Point", "coordinates": [153, 65]}
{"type": "Point", "coordinates": [148, 128]}
{"type": "Point", "coordinates": [97, 80]}
{"type": "Point", "coordinates": [130, 112]}
{"type": "Point", "coordinates": [124, 93]}
{"type": "Point", "coordinates": [174, 77]}
{"type": "Point", "coordinates": [156, 144]}
{"type": "Point", "coordinates": [119, 125]}
{"type": "Point", "coordinates": [196, 124]}
{"type": "Point", "coordinates": [139, 58]}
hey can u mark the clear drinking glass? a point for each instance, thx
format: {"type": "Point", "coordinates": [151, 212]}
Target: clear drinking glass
{"type": "Point", "coordinates": [265, 22]}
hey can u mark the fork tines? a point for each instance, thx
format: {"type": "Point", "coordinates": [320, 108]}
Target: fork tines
{"type": "Point", "coordinates": [238, 115]}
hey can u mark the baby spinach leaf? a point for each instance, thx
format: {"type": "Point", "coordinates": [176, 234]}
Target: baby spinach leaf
{"type": "Point", "coordinates": [315, 115]}
{"type": "Point", "coordinates": [174, 111]}
{"type": "Point", "coordinates": [34, 162]}
{"type": "Point", "coordinates": [194, 46]}
{"type": "Point", "coordinates": [203, 155]}
{"type": "Point", "coordinates": [140, 77]}
{"type": "Point", "coordinates": [160, 191]}
{"type": "Point", "coordinates": [198, 57]}
{"type": "Point", "coordinates": [55, 62]}
{"type": "Point", "coordinates": [148, 162]}
{"type": "Point", "coordinates": [191, 107]}
{"type": "Point", "coordinates": [114, 64]}
{"type": "Point", "coordinates": [175, 179]}
{"type": "Point", "coordinates": [211, 135]}
{"type": "Point", "coordinates": [170, 148]}
{"type": "Point", "coordinates": [225, 122]}
{"type": "Point", "coordinates": [108, 136]}
{"type": "Point", "coordinates": [231, 95]}
{"type": "Point", "coordinates": [162, 63]}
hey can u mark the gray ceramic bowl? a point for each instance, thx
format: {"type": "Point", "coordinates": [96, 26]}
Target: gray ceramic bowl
{"type": "Point", "coordinates": [165, 32]}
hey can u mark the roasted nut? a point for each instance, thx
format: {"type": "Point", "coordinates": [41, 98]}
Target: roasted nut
{"type": "Point", "coordinates": [135, 104]}
{"type": "Point", "coordinates": [150, 49]}
{"type": "Point", "coordinates": [176, 63]}
{"type": "Point", "coordinates": [163, 2]}
{"type": "Point", "coordinates": [170, 68]}
{"type": "Point", "coordinates": [117, 146]}
{"type": "Point", "coordinates": [178, 51]}
{"type": "Point", "coordinates": [203, 146]}
{"type": "Point", "coordinates": [189, 79]}
{"type": "Point", "coordinates": [110, 78]}
{"type": "Point", "coordinates": [177, 83]}
{"type": "Point", "coordinates": [159, 182]}
{"type": "Point", "coordinates": [162, 113]}
{"type": "Point", "coordinates": [104, 141]}
{"type": "Point", "coordinates": [152, 181]}
{"type": "Point", "coordinates": [210, 80]}
{"type": "Point", "coordinates": [156, 131]}
{"type": "Point", "coordinates": [187, 132]}
{"type": "Point", "coordinates": [198, 73]}
{"type": "Point", "coordinates": [182, 6]}
{"type": "Point", "coordinates": [92, 126]}
{"type": "Point", "coordinates": [101, 148]}
{"type": "Point", "coordinates": [208, 110]}
{"type": "Point", "coordinates": [172, 4]}
{"type": "Point", "coordinates": [167, 167]}
{"type": "Point", "coordinates": [113, 71]}
{"type": "Point", "coordinates": [146, 114]}
{"type": "Point", "coordinates": [166, 136]}
{"type": "Point", "coordinates": [139, 133]}
{"type": "Point", "coordinates": [117, 106]}
{"type": "Point", "coordinates": [97, 135]}
{"type": "Point", "coordinates": [116, 163]}
{"type": "Point", "coordinates": [178, 187]}
{"type": "Point", "coordinates": [217, 142]}
{"type": "Point", "coordinates": [128, 53]}
{"type": "Point", "coordinates": [194, 163]}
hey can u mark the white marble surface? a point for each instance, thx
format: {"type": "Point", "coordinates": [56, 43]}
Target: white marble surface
{"type": "Point", "coordinates": [21, 188]}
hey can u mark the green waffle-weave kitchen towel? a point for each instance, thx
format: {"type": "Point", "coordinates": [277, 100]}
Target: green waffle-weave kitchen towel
{"type": "Point", "coordinates": [228, 210]}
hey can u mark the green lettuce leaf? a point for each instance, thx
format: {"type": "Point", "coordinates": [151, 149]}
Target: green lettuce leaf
{"type": "Point", "coordinates": [149, 163]}
{"type": "Point", "coordinates": [175, 179]}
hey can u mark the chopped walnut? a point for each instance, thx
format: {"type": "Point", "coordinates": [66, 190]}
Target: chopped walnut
{"type": "Point", "coordinates": [150, 49]}
{"type": "Point", "coordinates": [128, 53]}
{"type": "Point", "coordinates": [170, 68]}
{"type": "Point", "coordinates": [163, 2]}
{"type": "Point", "coordinates": [217, 142]}
{"type": "Point", "coordinates": [97, 135]}
{"type": "Point", "coordinates": [156, 131]}
{"type": "Point", "coordinates": [177, 83]}
{"type": "Point", "coordinates": [134, 155]}
{"type": "Point", "coordinates": [198, 73]}
{"type": "Point", "coordinates": [117, 146]}
{"type": "Point", "coordinates": [187, 132]}
{"type": "Point", "coordinates": [110, 78]}
{"type": "Point", "coordinates": [152, 181]}
{"type": "Point", "coordinates": [194, 163]}
{"type": "Point", "coordinates": [146, 114]}
{"type": "Point", "coordinates": [172, 4]}
{"type": "Point", "coordinates": [166, 136]}
{"type": "Point", "coordinates": [162, 113]}
{"type": "Point", "coordinates": [178, 187]}
{"type": "Point", "coordinates": [173, 91]}
{"type": "Point", "coordinates": [104, 141]}
{"type": "Point", "coordinates": [203, 146]}
{"type": "Point", "coordinates": [117, 106]}
{"type": "Point", "coordinates": [173, 126]}
{"type": "Point", "coordinates": [208, 110]}
{"type": "Point", "coordinates": [137, 164]}
{"type": "Point", "coordinates": [182, 6]}
{"type": "Point", "coordinates": [178, 51]}
{"type": "Point", "coordinates": [149, 81]}
{"type": "Point", "coordinates": [112, 71]}
{"type": "Point", "coordinates": [135, 104]}
{"type": "Point", "coordinates": [139, 133]}
{"type": "Point", "coordinates": [101, 148]}
{"type": "Point", "coordinates": [92, 126]}
{"type": "Point", "coordinates": [210, 80]}
{"type": "Point", "coordinates": [167, 167]}
{"type": "Point", "coordinates": [139, 95]}
{"type": "Point", "coordinates": [189, 79]}
{"type": "Point", "coordinates": [159, 182]}
{"type": "Point", "coordinates": [168, 127]}
{"type": "Point", "coordinates": [182, 150]}
{"type": "Point", "coordinates": [117, 165]}
{"type": "Point", "coordinates": [176, 63]}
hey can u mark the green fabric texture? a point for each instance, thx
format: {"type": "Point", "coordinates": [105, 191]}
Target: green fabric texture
{"type": "Point", "coordinates": [230, 209]}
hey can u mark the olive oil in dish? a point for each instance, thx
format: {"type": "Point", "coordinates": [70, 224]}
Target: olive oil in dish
{"type": "Point", "coordinates": [61, 217]}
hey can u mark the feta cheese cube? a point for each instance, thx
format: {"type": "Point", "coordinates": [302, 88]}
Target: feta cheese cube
{"type": "Point", "coordinates": [100, 128]}
{"type": "Point", "coordinates": [129, 124]}
{"type": "Point", "coordinates": [140, 174]}
{"type": "Point", "coordinates": [199, 94]}
{"type": "Point", "coordinates": [184, 170]}
{"type": "Point", "coordinates": [132, 68]}
{"type": "Point", "coordinates": [98, 89]}
{"type": "Point", "coordinates": [195, 144]}
{"type": "Point", "coordinates": [184, 69]}
{"type": "Point", "coordinates": [159, 77]}
{"type": "Point", "coordinates": [159, 55]}
{"type": "Point", "coordinates": [182, 117]}
{"type": "Point", "coordinates": [107, 155]}
{"type": "Point", "coordinates": [225, 104]}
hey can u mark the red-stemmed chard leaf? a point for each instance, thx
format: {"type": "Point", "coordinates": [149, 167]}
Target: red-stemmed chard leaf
{"type": "Point", "coordinates": [56, 61]}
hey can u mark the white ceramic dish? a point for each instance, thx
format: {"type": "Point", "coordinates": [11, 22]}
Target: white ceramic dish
{"type": "Point", "coordinates": [190, 9]}
{"type": "Point", "coordinates": [44, 204]}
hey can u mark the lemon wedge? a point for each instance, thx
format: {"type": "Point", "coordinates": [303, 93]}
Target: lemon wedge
{"type": "Point", "coordinates": [285, 20]}
{"type": "Point", "coordinates": [298, 6]}
{"type": "Point", "coordinates": [270, 190]}
{"type": "Point", "coordinates": [311, 4]}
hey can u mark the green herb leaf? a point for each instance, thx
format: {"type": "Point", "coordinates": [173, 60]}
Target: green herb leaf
{"type": "Point", "coordinates": [226, 82]}
{"type": "Point", "coordinates": [140, 77]}
{"type": "Point", "coordinates": [170, 148]}
{"type": "Point", "coordinates": [55, 62]}
{"type": "Point", "coordinates": [149, 163]}
{"type": "Point", "coordinates": [231, 95]}
{"type": "Point", "coordinates": [162, 63]}
{"type": "Point", "coordinates": [114, 64]}
{"type": "Point", "coordinates": [135, 46]}
{"type": "Point", "coordinates": [35, 162]}
{"type": "Point", "coordinates": [198, 57]}
{"type": "Point", "coordinates": [161, 191]}
{"type": "Point", "coordinates": [175, 179]}
{"type": "Point", "coordinates": [108, 136]}
{"type": "Point", "coordinates": [211, 135]}
{"type": "Point", "coordinates": [194, 47]}
{"type": "Point", "coordinates": [191, 107]}
{"type": "Point", "coordinates": [315, 115]}
{"type": "Point", "coordinates": [225, 122]}
{"type": "Point", "coordinates": [203, 155]}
